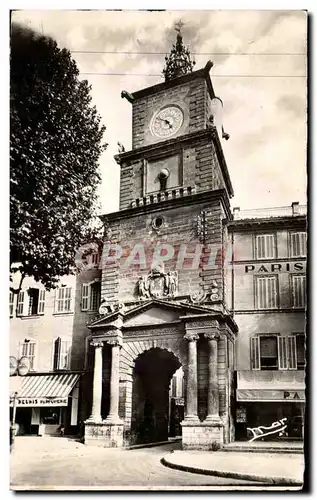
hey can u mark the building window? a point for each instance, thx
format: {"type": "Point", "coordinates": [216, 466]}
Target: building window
{"type": "Point", "coordinates": [298, 244]}
{"type": "Point", "coordinates": [63, 299]}
{"type": "Point", "coordinates": [266, 292]}
{"type": "Point", "coordinates": [265, 248]}
{"type": "Point", "coordinates": [27, 349]}
{"type": "Point", "coordinates": [90, 296]}
{"type": "Point", "coordinates": [61, 356]}
{"type": "Point", "coordinates": [36, 301]}
{"type": "Point", "coordinates": [299, 290]}
{"type": "Point", "coordinates": [272, 352]}
{"type": "Point", "coordinates": [11, 303]}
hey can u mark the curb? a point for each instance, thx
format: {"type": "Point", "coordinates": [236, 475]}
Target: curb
{"type": "Point", "coordinates": [150, 445]}
{"type": "Point", "coordinates": [292, 451]}
{"type": "Point", "coordinates": [276, 481]}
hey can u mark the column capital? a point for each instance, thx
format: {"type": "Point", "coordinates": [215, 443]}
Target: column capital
{"type": "Point", "coordinates": [191, 336]}
{"type": "Point", "coordinates": [212, 335]}
{"type": "Point", "coordinates": [115, 342]}
{"type": "Point", "coordinates": [96, 343]}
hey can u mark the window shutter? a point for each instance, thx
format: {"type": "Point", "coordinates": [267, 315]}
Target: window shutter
{"type": "Point", "coordinates": [20, 308]}
{"type": "Point", "coordinates": [60, 299]}
{"type": "Point", "coordinates": [57, 348]}
{"type": "Point", "coordinates": [265, 246]}
{"type": "Point", "coordinates": [41, 302]}
{"type": "Point", "coordinates": [299, 290]}
{"type": "Point", "coordinates": [282, 353]}
{"type": "Point", "coordinates": [272, 295]}
{"type": "Point", "coordinates": [64, 354]}
{"type": "Point", "coordinates": [292, 358]}
{"type": "Point", "coordinates": [85, 297]}
{"type": "Point", "coordinates": [68, 299]}
{"type": "Point", "coordinates": [11, 303]}
{"type": "Point", "coordinates": [298, 244]}
{"type": "Point", "coordinates": [255, 353]}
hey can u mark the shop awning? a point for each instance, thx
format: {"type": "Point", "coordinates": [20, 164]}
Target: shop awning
{"type": "Point", "coordinates": [43, 390]}
{"type": "Point", "coordinates": [272, 385]}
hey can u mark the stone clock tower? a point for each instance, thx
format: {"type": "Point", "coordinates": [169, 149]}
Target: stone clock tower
{"type": "Point", "coordinates": [163, 294]}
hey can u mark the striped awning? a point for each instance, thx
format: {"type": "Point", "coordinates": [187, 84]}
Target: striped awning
{"type": "Point", "coordinates": [44, 390]}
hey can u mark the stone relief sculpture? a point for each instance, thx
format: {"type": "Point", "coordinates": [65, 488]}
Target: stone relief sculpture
{"type": "Point", "coordinates": [203, 295]}
{"type": "Point", "coordinates": [157, 283]}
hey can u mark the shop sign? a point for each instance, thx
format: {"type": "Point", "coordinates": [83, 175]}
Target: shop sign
{"type": "Point", "coordinates": [284, 267]}
{"type": "Point", "coordinates": [269, 395]}
{"type": "Point", "coordinates": [24, 366]}
{"type": "Point", "coordinates": [24, 402]}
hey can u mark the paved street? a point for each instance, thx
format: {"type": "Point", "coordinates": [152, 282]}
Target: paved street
{"type": "Point", "coordinates": [61, 463]}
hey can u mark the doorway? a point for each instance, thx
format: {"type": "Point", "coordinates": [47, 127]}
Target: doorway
{"type": "Point", "coordinates": [152, 376]}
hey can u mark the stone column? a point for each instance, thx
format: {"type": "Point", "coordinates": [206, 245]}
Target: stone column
{"type": "Point", "coordinates": [192, 388]}
{"type": "Point", "coordinates": [213, 391]}
{"type": "Point", "coordinates": [97, 382]}
{"type": "Point", "coordinates": [113, 416]}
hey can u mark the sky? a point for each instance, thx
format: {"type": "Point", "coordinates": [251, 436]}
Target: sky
{"type": "Point", "coordinates": [259, 72]}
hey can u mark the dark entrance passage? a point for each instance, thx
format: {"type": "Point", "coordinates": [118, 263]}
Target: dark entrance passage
{"type": "Point", "coordinates": [150, 395]}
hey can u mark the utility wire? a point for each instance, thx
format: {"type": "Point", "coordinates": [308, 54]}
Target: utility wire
{"type": "Point", "coordinates": [193, 53]}
{"type": "Point", "coordinates": [212, 76]}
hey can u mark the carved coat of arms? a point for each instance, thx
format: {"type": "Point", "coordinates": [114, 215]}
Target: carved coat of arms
{"type": "Point", "coordinates": [157, 284]}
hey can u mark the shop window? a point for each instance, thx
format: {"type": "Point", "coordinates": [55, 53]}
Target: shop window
{"type": "Point", "coordinates": [27, 349]}
{"type": "Point", "coordinates": [11, 303]}
{"type": "Point", "coordinates": [63, 299]}
{"type": "Point", "coordinates": [61, 357]}
{"type": "Point", "coordinates": [299, 290]}
{"type": "Point", "coordinates": [90, 296]}
{"type": "Point", "coordinates": [298, 244]}
{"type": "Point", "coordinates": [265, 246]}
{"type": "Point", "coordinates": [50, 416]}
{"type": "Point", "coordinates": [36, 301]}
{"type": "Point", "coordinates": [266, 292]}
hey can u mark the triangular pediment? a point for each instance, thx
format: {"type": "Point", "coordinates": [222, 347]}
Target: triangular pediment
{"type": "Point", "coordinates": [150, 312]}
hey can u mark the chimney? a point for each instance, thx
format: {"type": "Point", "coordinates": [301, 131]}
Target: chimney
{"type": "Point", "coordinates": [295, 208]}
{"type": "Point", "coordinates": [236, 213]}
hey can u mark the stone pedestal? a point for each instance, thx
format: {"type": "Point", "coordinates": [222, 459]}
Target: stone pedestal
{"type": "Point", "coordinates": [104, 434]}
{"type": "Point", "coordinates": [202, 436]}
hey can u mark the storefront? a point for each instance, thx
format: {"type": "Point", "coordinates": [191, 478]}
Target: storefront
{"type": "Point", "coordinates": [44, 403]}
{"type": "Point", "coordinates": [275, 413]}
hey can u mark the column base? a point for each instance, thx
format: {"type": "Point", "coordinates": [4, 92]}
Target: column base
{"type": "Point", "coordinates": [202, 436]}
{"type": "Point", "coordinates": [113, 420]}
{"type": "Point", "coordinates": [103, 434]}
{"type": "Point", "coordinates": [213, 420]}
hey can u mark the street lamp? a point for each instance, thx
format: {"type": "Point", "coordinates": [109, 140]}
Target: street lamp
{"type": "Point", "coordinates": [18, 368]}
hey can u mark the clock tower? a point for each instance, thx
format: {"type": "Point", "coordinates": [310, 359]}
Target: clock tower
{"type": "Point", "coordinates": [163, 273]}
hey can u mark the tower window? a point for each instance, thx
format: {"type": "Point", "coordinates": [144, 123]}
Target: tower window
{"type": "Point", "coordinates": [157, 222]}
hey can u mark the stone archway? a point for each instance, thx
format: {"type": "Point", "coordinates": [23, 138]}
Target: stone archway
{"type": "Point", "coordinates": [152, 374]}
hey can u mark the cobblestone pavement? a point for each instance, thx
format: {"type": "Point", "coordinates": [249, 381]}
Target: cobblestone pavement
{"type": "Point", "coordinates": [47, 463]}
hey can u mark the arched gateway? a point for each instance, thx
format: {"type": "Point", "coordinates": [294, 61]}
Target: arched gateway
{"type": "Point", "coordinates": [137, 352]}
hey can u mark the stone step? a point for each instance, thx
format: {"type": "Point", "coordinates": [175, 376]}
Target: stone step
{"type": "Point", "coordinates": [264, 449]}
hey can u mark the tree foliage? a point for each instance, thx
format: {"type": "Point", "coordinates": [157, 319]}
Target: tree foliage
{"type": "Point", "coordinates": [56, 140]}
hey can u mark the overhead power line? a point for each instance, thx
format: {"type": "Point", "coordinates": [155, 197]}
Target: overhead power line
{"type": "Point", "coordinates": [113, 52]}
{"type": "Point", "coordinates": [213, 76]}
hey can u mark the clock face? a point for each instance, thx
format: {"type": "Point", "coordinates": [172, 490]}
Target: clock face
{"type": "Point", "coordinates": [167, 121]}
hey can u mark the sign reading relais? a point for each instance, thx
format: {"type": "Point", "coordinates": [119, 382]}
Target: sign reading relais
{"type": "Point", "coordinates": [276, 267]}
{"type": "Point", "coordinates": [24, 402]}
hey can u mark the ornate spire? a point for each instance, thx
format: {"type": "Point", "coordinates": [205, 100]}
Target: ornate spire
{"type": "Point", "coordinates": [178, 63]}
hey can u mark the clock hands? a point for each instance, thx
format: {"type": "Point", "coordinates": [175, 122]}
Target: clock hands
{"type": "Point", "coordinates": [166, 121]}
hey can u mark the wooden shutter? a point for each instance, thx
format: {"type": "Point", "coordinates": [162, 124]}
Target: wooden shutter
{"type": "Point", "coordinates": [282, 353]}
{"type": "Point", "coordinates": [11, 303]}
{"type": "Point", "coordinates": [20, 307]}
{"type": "Point", "coordinates": [292, 358]}
{"type": "Point", "coordinates": [265, 246]}
{"type": "Point", "coordinates": [68, 299]}
{"type": "Point", "coordinates": [271, 292]}
{"type": "Point", "coordinates": [41, 305]}
{"type": "Point", "coordinates": [255, 353]}
{"type": "Point", "coordinates": [64, 354]}
{"type": "Point", "coordinates": [85, 297]}
{"type": "Point", "coordinates": [57, 347]}
{"type": "Point", "coordinates": [298, 244]}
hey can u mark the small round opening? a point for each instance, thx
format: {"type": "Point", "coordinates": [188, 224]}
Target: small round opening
{"type": "Point", "coordinates": [158, 222]}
